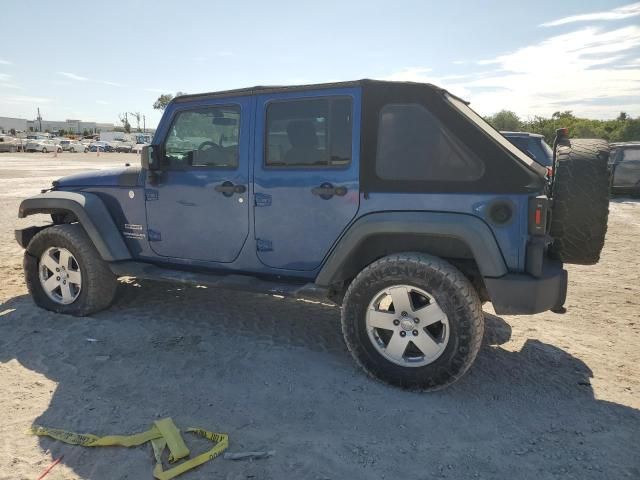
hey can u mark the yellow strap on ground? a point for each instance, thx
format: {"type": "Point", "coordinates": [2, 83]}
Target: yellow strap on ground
{"type": "Point", "coordinates": [163, 433]}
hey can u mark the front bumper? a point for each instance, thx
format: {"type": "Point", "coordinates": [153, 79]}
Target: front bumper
{"type": "Point", "coordinates": [524, 294]}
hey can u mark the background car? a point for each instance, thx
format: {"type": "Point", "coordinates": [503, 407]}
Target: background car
{"type": "Point", "coordinates": [124, 147]}
{"type": "Point", "coordinates": [533, 145]}
{"type": "Point", "coordinates": [8, 144]}
{"type": "Point", "coordinates": [625, 168]}
{"type": "Point", "coordinates": [75, 146]}
{"type": "Point", "coordinates": [137, 148]}
{"type": "Point", "coordinates": [102, 146]}
{"type": "Point", "coordinates": [64, 143]}
{"type": "Point", "coordinates": [42, 145]}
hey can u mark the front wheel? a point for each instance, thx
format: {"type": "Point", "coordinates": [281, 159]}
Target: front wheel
{"type": "Point", "coordinates": [65, 274]}
{"type": "Point", "coordinates": [413, 320]}
{"type": "Point", "coordinates": [44, 150]}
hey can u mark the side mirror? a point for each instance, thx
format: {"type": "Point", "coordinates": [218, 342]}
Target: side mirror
{"type": "Point", "coordinates": [149, 158]}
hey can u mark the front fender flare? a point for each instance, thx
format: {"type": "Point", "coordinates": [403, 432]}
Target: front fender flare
{"type": "Point", "coordinates": [91, 213]}
{"type": "Point", "coordinates": [471, 230]}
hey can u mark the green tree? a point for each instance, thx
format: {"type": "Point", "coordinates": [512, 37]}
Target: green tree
{"type": "Point", "coordinates": [164, 99]}
{"type": "Point", "coordinates": [505, 120]}
{"type": "Point", "coordinates": [125, 123]}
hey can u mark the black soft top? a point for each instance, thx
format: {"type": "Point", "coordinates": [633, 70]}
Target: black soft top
{"type": "Point", "coordinates": [261, 89]}
{"type": "Point", "coordinates": [507, 169]}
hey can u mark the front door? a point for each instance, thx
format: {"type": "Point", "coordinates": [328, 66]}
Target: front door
{"type": "Point", "coordinates": [306, 174]}
{"type": "Point", "coordinates": [197, 205]}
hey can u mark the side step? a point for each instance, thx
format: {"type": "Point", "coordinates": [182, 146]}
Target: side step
{"type": "Point", "coordinates": [245, 283]}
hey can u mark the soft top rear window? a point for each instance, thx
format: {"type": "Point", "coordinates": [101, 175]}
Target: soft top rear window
{"type": "Point", "coordinates": [492, 132]}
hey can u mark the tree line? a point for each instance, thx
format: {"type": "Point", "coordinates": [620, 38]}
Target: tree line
{"type": "Point", "coordinates": [622, 129]}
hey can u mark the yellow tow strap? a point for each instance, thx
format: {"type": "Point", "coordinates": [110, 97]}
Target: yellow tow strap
{"type": "Point", "coordinates": [163, 433]}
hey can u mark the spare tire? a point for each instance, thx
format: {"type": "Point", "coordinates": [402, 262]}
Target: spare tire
{"type": "Point", "coordinates": [580, 201]}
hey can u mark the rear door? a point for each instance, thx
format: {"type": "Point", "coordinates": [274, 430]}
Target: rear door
{"type": "Point", "coordinates": [306, 174]}
{"type": "Point", "coordinates": [197, 206]}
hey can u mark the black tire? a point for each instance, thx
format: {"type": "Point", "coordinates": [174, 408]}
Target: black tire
{"type": "Point", "coordinates": [580, 201]}
{"type": "Point", "coordinates": [44, 150]}
{"type": "Point", "coordinates": [454, 294]}
{"type": "Point", "coordinates": [72, 150]}
{"type": "Point", "coordinates": [99, 284]}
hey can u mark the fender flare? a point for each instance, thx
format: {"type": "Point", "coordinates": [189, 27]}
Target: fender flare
{"type": "Point", "coordinates": [91, 213]}
{"type": "Point", "coordinates": [471, 230]}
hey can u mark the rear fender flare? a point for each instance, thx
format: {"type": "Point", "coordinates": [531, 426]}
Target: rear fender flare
{"type": "Point", "coordinates": [441, 227]}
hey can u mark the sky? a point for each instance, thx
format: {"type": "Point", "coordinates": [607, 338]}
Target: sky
{"type": "Point", "coordinates": [94, 60]}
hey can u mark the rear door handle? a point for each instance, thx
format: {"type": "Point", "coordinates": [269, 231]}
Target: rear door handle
{"type": "Point", "coordinates": [228, 188]}
{"type": "Point", "coordinates": [326, 191]}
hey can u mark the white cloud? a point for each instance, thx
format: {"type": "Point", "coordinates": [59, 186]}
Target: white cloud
{"type": "Point", "coordinates": [157, 90]}
{"type": "Point", "coordinates": [564, 72]}
{"type": "Point", "coordinates": [73, 76]}
{"type": "Point", "coordinates": [23, 100]}
{"type": "Point", "coordinates": [102, 102]}
{"type": "Point", "coordinates": [620, 13]}
{"type": "Point", "coordinates": [7, 82]}
{"type": "Point", "coordinates": [112, 84]}
{"type": "Point", "coordinates": [5, 62]}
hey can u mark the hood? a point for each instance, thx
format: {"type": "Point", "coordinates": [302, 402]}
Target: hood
{"type": "Point", "coordinates": [112, 177]}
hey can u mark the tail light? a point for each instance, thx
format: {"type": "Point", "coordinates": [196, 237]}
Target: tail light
{"type": "Point", "coordinates": [538, 215]}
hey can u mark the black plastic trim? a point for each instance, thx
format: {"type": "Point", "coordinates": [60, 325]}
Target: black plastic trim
{"type": "Point", "coordinates": [471, 230]}
{"type": "Point", "coordinates": [24, 235]}
{"type": "Point", "coordinates": [92, 214]}
{"type": "Point", "coordinates": [231, 281]}
{"type": "Point", "coordinates": [523, 294]}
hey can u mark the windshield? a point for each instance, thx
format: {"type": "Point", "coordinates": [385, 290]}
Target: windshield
{"type": "Point", "coordinates": [492, 132]}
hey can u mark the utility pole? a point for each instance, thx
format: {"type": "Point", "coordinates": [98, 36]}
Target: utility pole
{"type": "Point", "coordinates": [39, 120]}
{"type": "Point", "coordinates": [144, 124]}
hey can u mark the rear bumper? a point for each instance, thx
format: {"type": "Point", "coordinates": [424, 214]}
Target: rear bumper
{"type": "Point", "coordinates": [524, 294]}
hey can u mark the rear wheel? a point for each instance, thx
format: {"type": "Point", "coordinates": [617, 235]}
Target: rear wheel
{"type": "Point", "coordinates": [44, 150]}
{"type": "Point", "coordinates": [72, 150]}
{"type": "Point", "coordinates": [580, 201]}
{"type": "Point", "coordinates": [65, 274]}
{"type": "Point", "coordinates": [413, 320]}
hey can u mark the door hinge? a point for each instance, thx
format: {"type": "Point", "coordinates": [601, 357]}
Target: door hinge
{"type": "Point", "coordinates": [262, 200]}
{"type": "Point", "coordinates": [264, 245]}
{"type": "Point", "coordinates": [154, 236]}
{"type": "Point", "coordinates": [150, 195]}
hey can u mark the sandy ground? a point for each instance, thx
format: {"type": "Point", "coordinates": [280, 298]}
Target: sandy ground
{"type": "Point", "coordinates": [550, 396]}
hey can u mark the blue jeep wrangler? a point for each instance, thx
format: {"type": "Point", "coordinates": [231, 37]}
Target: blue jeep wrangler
{"type": "Point", "coordinates": [394, 200]}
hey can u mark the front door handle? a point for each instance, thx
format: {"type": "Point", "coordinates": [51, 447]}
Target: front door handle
{"type": "Point", "coordinates": [228, 188]}
{"type": "Point", "coordinates": [326, 191]}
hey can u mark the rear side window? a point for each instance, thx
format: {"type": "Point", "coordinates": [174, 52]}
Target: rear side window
{"type": "Point", "coordinates": [414, 145]}
{"type": "Point", "coordinates": [309, 133]}
{"type": "Point", "coordinates": [631, 154]}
